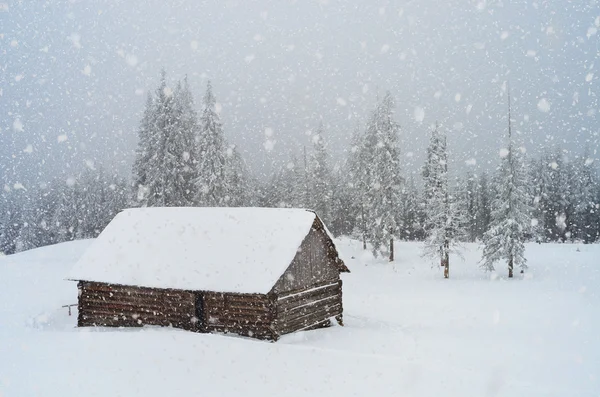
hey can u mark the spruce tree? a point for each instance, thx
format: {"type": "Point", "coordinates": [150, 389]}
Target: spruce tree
{"type": "Point", "coordinates": [320, 177]}
{"type": "Point", "coordinates": [443, 222]}
{"type": "Point", "coordinates": [179, 166]}
{"type": "Point", "coordinates": [143, 155]}
{"type": "Point", "coordinates": [210, 183]}
{"type": "Point", "coordinates": [585, 199]}
{"type": "Point", "coordinates": [510, 215]}
{"type": "Point", "coordinates": [357, 181]}
{"type": "Point", "coordinates": [484, 210]}
{"type": "Point", "coordinates": [382, 155]}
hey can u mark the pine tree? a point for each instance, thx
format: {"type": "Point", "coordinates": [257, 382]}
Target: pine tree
{"type": "Point", "coordinates": [467, 204]}
{"type": "Point", "coordinates": [443, 222]}
{"type": "Point", "coordinates": [179, 165]}
{"type": "Point", "coordinates": [411, 212]}
{"type": "Point", "coordinates": [382, 154]}
{"type": "Point", "coordinates": [143, 155]}
{"type": "Point", "coordinates": [11, 218]}
{"type": "Point", "coordinates": [320, 177]}
{"type": "Point", "coordinates": [585, 199]}
{"type": "Point", "coordinates": [241, 191]}
{"type": "Point", "coordinates": [510, 215]}
{"type": "Point", "coordinates": [357, 181]}
{"type": "Point", "coordinates": [210, 183]}
{"type": "Point", "coordinates": [484, 210]}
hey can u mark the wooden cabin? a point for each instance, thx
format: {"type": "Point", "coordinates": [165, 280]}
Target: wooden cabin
{"type": "Point", "coordinates": [258, 272]}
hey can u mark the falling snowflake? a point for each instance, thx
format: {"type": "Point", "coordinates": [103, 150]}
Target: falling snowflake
{"type": "Point", "coordinates": [62, 138]}
{"type": "Point", "coordinates": [341, 101]}
{"type": "Point", "coordinates": [471, 162]}
{"type": "Point", "coordinates": [87, 70]}
{"type": "Point", "coordinates": [18, 125]}
{"type": "Point", "coordinates": [269, 145]}
{"type": "Point", "coordinates": [75, 40]}
{"type": "Point", "coordinates": [419, 114]}
{"type": "Point", "coordinates": [28, 149]}
{"type": "Point", "coordinates": [543, 105]}
{"type": "Point", "coordinates": [131, 60]}
{"type": "Point", "coordinates": [268, 132]}
{"type": "Point", "coordinates": [504, 152]}
{"type": "Point", "coordinates": [385, 48]}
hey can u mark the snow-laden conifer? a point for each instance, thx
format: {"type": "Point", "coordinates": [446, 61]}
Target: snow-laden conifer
{"type": "Point", "coordinates": [211, 179]}
{"type": "Point", "coordinates": [443, 221]}
{"type": "Point", "coordinates": [511, 212]}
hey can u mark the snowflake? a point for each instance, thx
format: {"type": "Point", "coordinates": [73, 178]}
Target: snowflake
{"type": "Point", "coordinates": [543, 105]}
{"type": "Point", "coordinates": [419, 114]}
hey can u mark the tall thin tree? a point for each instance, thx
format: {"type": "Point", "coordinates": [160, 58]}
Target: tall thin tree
{"type": "Point", "coordinates": [510, 216]}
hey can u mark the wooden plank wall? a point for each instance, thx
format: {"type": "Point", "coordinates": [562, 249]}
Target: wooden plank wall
{"type": "Point", "coordinates": [125, 306]}
{"type": "Point", "coordinates": [309, 308]}
{"type": "Point", "coordinates": [243, 314]}
{"type": "Point", "coordinates": [314, 263]}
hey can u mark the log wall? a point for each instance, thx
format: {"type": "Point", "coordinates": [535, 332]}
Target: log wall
{"type": "Point", "coordinates": [309, 308]}
{"type": "Point", "coordinates": [243, 314]}
{"type": "Point", "coordinates": [316, 261]}
{"type": "Point", "coordinates": [109, 305]}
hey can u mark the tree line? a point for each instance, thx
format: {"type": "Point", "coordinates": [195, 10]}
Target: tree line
{"type": "Point", "coordinates": [184, 159]}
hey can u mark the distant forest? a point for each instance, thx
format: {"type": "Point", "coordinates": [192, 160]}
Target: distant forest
{"type": "Point", "coordinates": [183, 159]}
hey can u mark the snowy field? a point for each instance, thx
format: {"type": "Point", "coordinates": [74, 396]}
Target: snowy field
{"type": "Point", "coordinates": [408, 332]}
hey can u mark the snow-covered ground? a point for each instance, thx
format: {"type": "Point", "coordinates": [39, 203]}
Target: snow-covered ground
{"type": "Point", "coordinates": [407, 332]}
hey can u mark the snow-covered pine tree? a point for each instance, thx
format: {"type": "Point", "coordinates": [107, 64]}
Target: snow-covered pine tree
{"type": "Point", "coordinates": [443, 221]}
{"type": "Point", "coordinates": [143, 155]}
{"type": "Point", "coordinates": [585, 199]}
{"type": "Point", "coordinates": [411, 215]}
{"type": "Point", "coordinates": [320, 176]}
{"type": "Point", "coordinates": [92, 192]}
{"type": "Point", "coordinates": [484, 209]}
{"type": "Point", "coordinates": [383, 176]}
{"type": "Point", "coordinates": [66, 217]}
{"type": "Point", "coordinates": [210, 183]}
{"type": "Point", "coordinates": [468, 198]}
{"type": "Point", "coordinates": [538, 182]}
{"type": "Point", "coordinates": [39, 208]}
{"type": "Point", "coordinates": [179, 166]}
{"type": "Point", "coordinates": [241, 187]}
{"type": "Point", "coordinates": [11, 221]}
{"type": "Point", "coordinates": [357, 182]}
{"type": "Point", "coordinates": [510, 215]}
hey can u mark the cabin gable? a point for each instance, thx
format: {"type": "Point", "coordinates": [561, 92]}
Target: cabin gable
{"type": "Point", "coordinates": [316, 262]}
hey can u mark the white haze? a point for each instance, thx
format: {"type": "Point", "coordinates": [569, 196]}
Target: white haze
{"type": "Point", "coordinates": [75, 74]}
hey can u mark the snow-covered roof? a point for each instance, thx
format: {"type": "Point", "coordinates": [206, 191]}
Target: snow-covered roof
{"type": "Point", "coordinates": [242, 250]}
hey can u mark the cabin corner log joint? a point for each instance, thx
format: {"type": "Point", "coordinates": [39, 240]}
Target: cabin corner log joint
{"type": "Point", "coordinates": [303, 294]}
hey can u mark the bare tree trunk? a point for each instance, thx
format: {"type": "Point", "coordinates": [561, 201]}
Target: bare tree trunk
{"type": "Point", "coordinates": [510, 267]}
{"type": "Point", "coordinates": [446, 264]}
{"type": "Point", "coordinates": [363, 226]}
{"type": "Point", "coordinates": [391, 249]}
{"type": "Point", "coordinates": [446, 259]}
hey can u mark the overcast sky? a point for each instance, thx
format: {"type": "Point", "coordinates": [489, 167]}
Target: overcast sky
{"type": "Point", "coordinates": [74, 74]}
